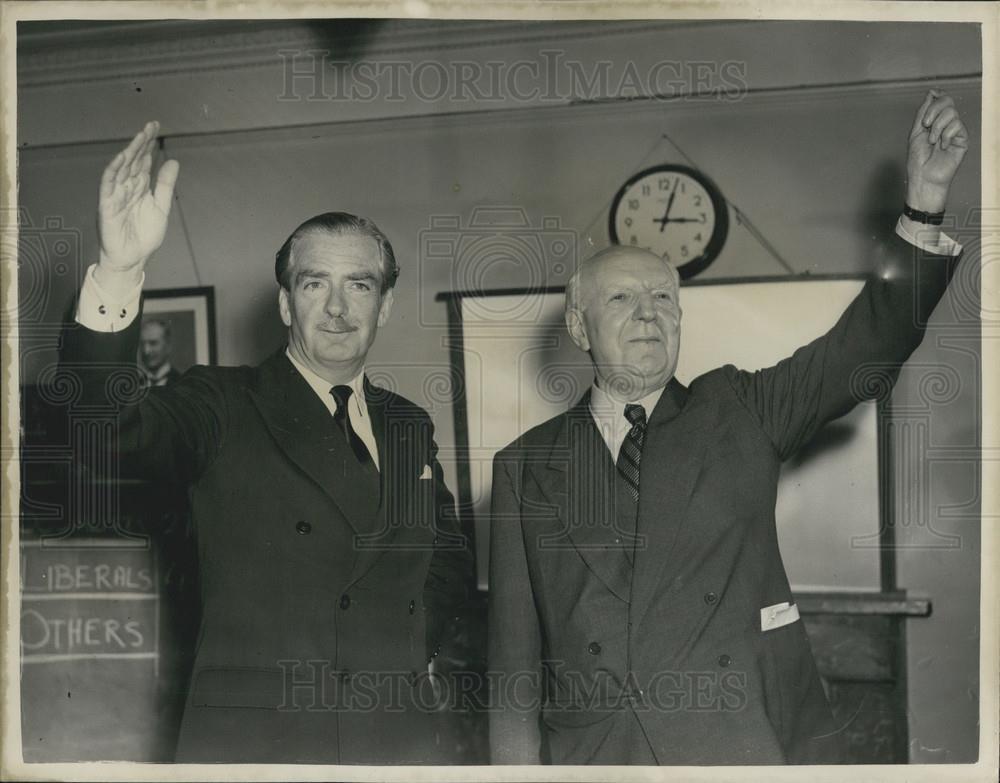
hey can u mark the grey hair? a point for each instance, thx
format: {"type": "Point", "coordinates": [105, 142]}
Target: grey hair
{"type": "Point", "coordinates": [573, 284]}
{"type": "Point", "coordinates": [573, 290]}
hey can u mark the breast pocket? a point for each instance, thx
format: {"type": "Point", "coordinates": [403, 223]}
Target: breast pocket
{"type": "Point", "coordinates": [777, 616]}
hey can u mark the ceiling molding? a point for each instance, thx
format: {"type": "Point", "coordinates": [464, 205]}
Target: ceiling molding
{"type": "Point", "coordinates": [57, 53]}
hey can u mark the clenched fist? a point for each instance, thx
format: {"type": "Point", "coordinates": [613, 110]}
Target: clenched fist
{"type": "Point", "coordinates": [938, 142]}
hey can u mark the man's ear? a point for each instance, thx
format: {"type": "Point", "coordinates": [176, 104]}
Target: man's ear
{"type": "Point", "coordinates": [284, 307]}
{"type": "Point", "coordinates": [577, 329]}
{"type": "Point", "coordinates": [385, 308]}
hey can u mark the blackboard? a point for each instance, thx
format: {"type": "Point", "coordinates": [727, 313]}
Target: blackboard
{"type": "Point", "coordinates": [90, 650]}
{"type": "Point", "coordinates": [108, 612]}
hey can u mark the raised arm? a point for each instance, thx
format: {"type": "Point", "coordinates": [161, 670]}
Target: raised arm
{"type": "Point", "coordinates": [132, 215]}
{"type": "Point", "coordinates": [937, 144]}
{"type": "Point", "coordinates": [861, 355]}
{"type": "Point", "coordinates": [175, 430]}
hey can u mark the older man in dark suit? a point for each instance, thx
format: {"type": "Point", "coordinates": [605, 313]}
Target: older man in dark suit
{"type": "Point", "coordinates": [329, 553]}
{"type": "Point", "coordinates": [639, 609]}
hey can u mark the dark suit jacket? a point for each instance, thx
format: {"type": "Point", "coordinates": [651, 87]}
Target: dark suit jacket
{"type": "Point", "coordinates": [666, 662]}
{"type": "Point", "coordinates": [318, 619]}
{"type": "Point", "coordinates": [173, 376]}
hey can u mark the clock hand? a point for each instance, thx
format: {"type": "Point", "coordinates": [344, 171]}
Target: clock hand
{"type": "Point", "coordinates": [665, 219]}
{"type": "Point", "coordinates": [683, 220]}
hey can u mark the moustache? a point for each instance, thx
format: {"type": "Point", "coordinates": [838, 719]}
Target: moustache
{"type": "Point", "coordinates": [337, 326]}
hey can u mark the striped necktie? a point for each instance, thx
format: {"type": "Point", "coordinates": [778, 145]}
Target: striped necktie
{"type": "Point", "coordinates": [630, 453]}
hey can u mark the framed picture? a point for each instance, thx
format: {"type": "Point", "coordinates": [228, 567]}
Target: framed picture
{"type": "Point", "coordinates": [178, 330]}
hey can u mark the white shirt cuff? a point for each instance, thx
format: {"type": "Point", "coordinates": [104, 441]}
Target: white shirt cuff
{"type": "Point", "coordinates": [945, 246]}
{"type": "Point", "coordinates": [99, 312]}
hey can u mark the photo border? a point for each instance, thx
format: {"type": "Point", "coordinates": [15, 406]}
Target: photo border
{"type": "Point", "coordinates": [984, 13]}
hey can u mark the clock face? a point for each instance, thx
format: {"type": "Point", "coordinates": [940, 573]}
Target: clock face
{"type": "Point", "coordinates": [674, 211]}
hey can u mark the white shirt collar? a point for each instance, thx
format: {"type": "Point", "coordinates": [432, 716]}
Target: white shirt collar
{"type": "Point", "coordinates": [609, 415]}
{"type": "Point", "coordinates": [159, 374]}
{"type": "Point", "coordinates": [322, 387]}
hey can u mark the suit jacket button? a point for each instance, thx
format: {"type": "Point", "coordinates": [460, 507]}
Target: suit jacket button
{"type": "Point", "coordinates": [413, 606]}
{"type": "Point", "coordinates": [711, 598]}
{"type": "Point", "coordinates": [594, 648]}
{"type": "Point", "coordinates": [303, 527]}
{"type": "Point", "coordinates": [725, 660]}
{"type": "Point", "coordinates": [345, 601]}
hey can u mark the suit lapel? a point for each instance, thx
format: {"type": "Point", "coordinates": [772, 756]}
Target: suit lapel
{"type": "Point", "coordinates": [672, 457]}
{"type": "Point", "coordinates": [375, 401]}
{"type": "Point", "coordinates": [304, 430]}
{"type": "Point", "coordinates": [397, 454]}
{"type": "Point", "coordinates": [578, 480]}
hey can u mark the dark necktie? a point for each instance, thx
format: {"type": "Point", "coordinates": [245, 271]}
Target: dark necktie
{"type": "Point", "coordinates": [342, 394]}
{"type": "Point", "coordinates": [630, 453]}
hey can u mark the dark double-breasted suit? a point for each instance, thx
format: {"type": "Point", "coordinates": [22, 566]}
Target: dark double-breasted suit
{"type": "Point", "coordinates": [665, 658]}
{"type": "Point", "coordinates": [320, 603]}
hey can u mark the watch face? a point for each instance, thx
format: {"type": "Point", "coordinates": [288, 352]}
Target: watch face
{"type": "Point", "coordinates": [674, 211]}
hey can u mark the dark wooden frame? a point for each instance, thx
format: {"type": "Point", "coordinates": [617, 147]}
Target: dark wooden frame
{"type": "Point", "coordinates": [206, 292]}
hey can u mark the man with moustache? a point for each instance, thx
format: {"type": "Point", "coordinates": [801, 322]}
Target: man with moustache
{"type": "Point", "coordinates": [328, 547]}
{"type": "Point", "coordinates": [639, 609]}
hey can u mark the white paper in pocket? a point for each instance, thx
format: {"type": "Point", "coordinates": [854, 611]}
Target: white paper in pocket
{"type": "Point", "coordinates": [426, 474]}
{"type": "Point", "coordinates": [776, 616]}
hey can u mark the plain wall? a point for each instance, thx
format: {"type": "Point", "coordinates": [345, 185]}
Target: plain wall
{"type": "Point", "coordinates": [816, 160]}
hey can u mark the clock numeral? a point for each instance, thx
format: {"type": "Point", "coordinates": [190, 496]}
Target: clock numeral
{"type": "Point", "coordinates": [664, 183]}
{"type": "Point", "coordinates": [666, 255]}
{"type": "Point", "coordinates": [645, 190]}
{"type": "Point", "coordinates": [697, 237]}
{"type": "Point", "coordinates": [633, 203]}
{"type": "Point", "coordinates": [683, 187]}
{"type": "Point", "coordinates": [697, 201]}
{"type": "Point", "coordinates": [703, 218]}
{"type": "Point", "coordinates": [628, 222]}
{"type": "Point", "coordinates": [684, 251]}
{"type": "Point", "coordinates": [634, 240]}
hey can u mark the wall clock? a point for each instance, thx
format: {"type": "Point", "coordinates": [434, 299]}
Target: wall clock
{"type": "Point", "coordinates": [674, 211]}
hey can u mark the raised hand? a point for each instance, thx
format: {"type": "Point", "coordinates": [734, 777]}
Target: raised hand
{"type": "Point", "coordinates": [132, 216]}
{"type": "Point", "coordinates": [938, 142]}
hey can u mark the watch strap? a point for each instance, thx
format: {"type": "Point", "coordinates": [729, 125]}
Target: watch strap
{"type": "Point", "coordinates": [931, 218]}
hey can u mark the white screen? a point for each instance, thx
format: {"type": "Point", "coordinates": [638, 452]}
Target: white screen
{"type": "Point", "coordinates": [521, 368]}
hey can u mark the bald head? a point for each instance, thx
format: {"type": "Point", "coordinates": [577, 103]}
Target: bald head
{"type": "Point", "coordinates": [578, 284]}
{"type": "Point", "coordinates": [622, 308]}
